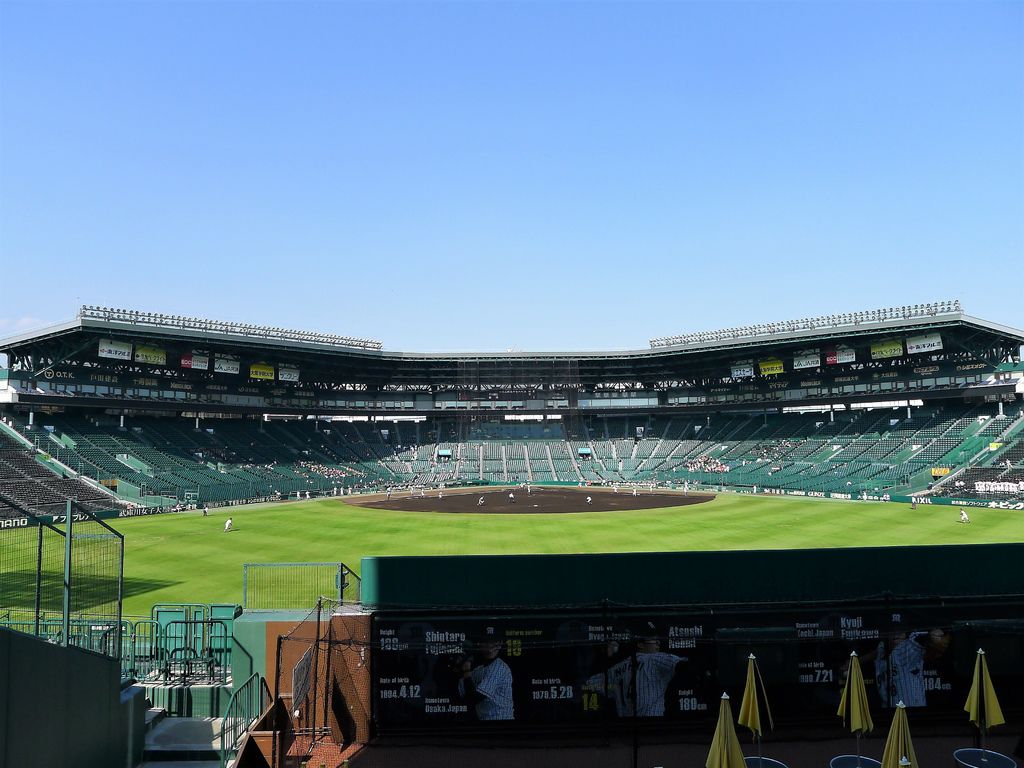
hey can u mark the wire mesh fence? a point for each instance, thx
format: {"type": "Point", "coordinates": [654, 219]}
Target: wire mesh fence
{"type": "Point", "coordinates": [62, 577]}
{"type": "Point", "coordinates": [283, 586]}
{"type": "Point", "coordinates": [322, 683]}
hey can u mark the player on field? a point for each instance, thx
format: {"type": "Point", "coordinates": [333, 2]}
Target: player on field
{"type": "Point", "coordinates": [228, 524]}
{"type": "Point", "coordinates": [963, 516]}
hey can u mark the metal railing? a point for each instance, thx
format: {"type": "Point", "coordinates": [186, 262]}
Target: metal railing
{"type": "Point", "coordinates": [244, 708]}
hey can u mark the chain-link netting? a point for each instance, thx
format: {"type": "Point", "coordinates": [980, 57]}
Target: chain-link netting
{"type": "Point", "coordinates": [43, 578]}
{"type": "Point", "coordinates": [323, 683]}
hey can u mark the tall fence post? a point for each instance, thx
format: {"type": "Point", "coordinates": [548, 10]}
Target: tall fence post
{"type": "Point", "coordinates": [39, 580]}
{"type": "Point", "coordinates": [67, 575]}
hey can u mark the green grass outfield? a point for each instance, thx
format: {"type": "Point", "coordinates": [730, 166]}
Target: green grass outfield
{"type": "Point", "coordinates": [189, 558]}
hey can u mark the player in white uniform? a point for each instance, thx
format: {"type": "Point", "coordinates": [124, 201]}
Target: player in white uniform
{"type": "Point", "coordinates": [488, 685]}
{"type": "Point", "coordinates": [963, 516]}
{"type": "Point", "coordinates": [228, 524]}
{"type": "Point", "coordinates": [589, 500]}
{"type": "Point", "coordinates": [654, 671]}
{"type": "Point", "coordinates": [480, 501]}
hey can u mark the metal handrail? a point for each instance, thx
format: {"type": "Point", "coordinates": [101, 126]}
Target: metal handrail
{"type": "Point", "coordinates": [244, 708]}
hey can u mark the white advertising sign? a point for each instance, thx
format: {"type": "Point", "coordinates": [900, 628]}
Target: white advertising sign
{"type": "Point", "coordinates": [929, 342]}
{"type": "Point", "coordinates": [808, 358]}
{"type": "Point", "coordinates": [223, 365]}
{"type": "Point", "coordinates": [115, 350]}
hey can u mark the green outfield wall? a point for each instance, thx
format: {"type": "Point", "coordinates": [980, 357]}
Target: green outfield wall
{"type": "Point", "coordinates": [693, 578]}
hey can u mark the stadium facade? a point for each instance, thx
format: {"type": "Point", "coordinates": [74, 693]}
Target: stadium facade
{"type": "Point", "coordinates": [159, 409]}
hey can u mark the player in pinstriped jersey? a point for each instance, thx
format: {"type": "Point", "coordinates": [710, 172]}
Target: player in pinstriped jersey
{"type": "Point", "coordinates": [487, 685]}
{"type": "Point", "coordinates": [654, 671]}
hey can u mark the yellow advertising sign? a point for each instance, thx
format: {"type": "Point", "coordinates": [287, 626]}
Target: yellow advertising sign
{"type": "Point", "coordinates": [261, 371]}
{"type": "Point", "coordinates": [994, 446]}
{"type": "Point", "coordinates": [150, 355]}
{"type": "Point", "coordinates": [940, 471]}
{"type": "Point", "coordinates": [770, 366]}
{"type": "Point", "coordinates": [887, 348]}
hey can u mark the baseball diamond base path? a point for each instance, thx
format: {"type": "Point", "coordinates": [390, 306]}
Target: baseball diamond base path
{"type": "Point", "coordinates": [543, 500]}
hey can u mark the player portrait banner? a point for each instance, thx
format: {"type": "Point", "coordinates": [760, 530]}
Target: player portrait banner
{"type": "Point", "coordinates": [929, 342]}
{"type": "Point", "coordinates": [150, 355]}
{"type": "Point", "coordinates": [880, 350]}
{"type": "Point", "coordinates": [195, 362]}
{"type": "Point", "coordinates": [771, 366]}
{"type": "Point", "coordinates": [224, 365]}
{"type": "Point", "coordinates": [840, 354]}
{"type": "Point", "coordinates": [594, 668]}
{"type": "Point", "coordinates": [115, 350]}
{"type": "Point", "coordinates": [261, 371]}
{"type": "Point", "coordinates": [807, 358]}
{"type": "Point", "coordinates": [742, 369]}
{"type": "Point", "coordinates": [287, 374]}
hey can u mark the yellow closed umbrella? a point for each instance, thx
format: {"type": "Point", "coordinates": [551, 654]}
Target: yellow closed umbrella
{"type": "Point", "coordinates": [750, 708]}
{"type": "Point", "coordinates": [982, 704]}
{"type": "Point", "coordinates": [853, 706]}
{"type": "Point", "coordinates": [898, 746]}
{"type": "Point", "coordinates": [725, 749]}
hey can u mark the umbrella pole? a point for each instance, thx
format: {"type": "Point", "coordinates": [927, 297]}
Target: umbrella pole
{"type": "Point", "coordinates": [759, 765]}
{"type": "Point", "coordinates": [858, 748]}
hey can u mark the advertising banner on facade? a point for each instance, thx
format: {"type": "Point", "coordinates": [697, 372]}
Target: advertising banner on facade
{"type": "Point", "coordinates": [261, 371]}
{"type": "Point", "coordinates": [742, 369]}
{"type": "Point", "coordinates": [225, 365]}
{"type": "Point", "coordinates": [150, 355]}
{"type": "Point", "coordinates": [930, 342]}
{"type": "Point", "coordinates": [115, 350]}
{"type": "Point", "coordinates": [885, 348]}
{"type": "Point", "coordinates": [807, 358]}
{"type": "Point", "coordinates": [195, 361]}
{"type": "Point", "coordinates": [287, 374]}
{"type": "Point", "coordinates": [771, 366]}
{"type": "Point", "coordinates": [665, 666]}
{"type": "Point", "coordinates": [840, 354]}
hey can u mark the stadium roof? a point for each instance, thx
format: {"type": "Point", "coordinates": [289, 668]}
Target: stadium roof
{"type": "Point", "coordinates": [816, 330]}
{"type": "Point", "coordinates": [347, 359]}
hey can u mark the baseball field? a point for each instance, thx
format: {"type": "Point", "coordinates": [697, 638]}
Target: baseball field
{"type": "Point", "coordinates": [186, 557]}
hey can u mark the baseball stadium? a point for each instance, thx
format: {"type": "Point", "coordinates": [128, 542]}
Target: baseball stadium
{"type": "Point", "coordinates": [225, 544]}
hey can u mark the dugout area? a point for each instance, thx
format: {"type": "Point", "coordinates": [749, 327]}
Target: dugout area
{"type": "Point", "coordinates": [373, 683]}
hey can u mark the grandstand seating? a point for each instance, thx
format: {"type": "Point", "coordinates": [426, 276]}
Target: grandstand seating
{"type": "Point", "coordinates": [27, 483]}
{"type": "Point", "coordinates": [233, 458]}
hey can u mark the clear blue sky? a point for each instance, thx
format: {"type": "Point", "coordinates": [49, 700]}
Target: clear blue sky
{"type": "Point", "coordinates": [481, 176]}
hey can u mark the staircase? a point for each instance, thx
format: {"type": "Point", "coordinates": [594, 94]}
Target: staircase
{"type": "Point", "coordinates": [181, 742]}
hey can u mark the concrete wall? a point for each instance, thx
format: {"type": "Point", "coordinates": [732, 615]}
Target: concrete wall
{"type": "Point", "coordinates": [59, 706]}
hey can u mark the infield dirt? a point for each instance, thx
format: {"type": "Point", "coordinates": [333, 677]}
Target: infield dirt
{"type": "Point", "coordinates": [542, 501]}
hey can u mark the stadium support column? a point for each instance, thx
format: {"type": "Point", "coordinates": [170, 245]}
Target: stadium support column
{"type": "Point", "coordinates": [1001, 409]}
{"type": "Point", "coordinates": [31, 418]}
{"type": "Point", "coordinates": [122, 420]}
{"type": "Point", "coordinates": [908, 409]}
{"type": "Point", "coordinates": [831, 412]}
{"type": "Point", "coordinates": [197, 423]}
